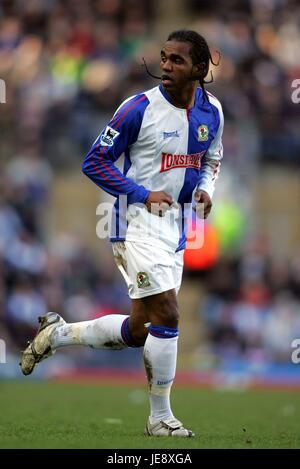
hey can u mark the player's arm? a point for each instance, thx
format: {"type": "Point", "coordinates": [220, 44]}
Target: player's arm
{"type": "Point", "coordinates": [209, 171]}
{"type": "Point", "coordinates": [121, 132]}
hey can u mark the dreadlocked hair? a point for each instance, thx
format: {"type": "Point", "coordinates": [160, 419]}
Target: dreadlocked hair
{"type": "Point", "coordinates": [199, 52]}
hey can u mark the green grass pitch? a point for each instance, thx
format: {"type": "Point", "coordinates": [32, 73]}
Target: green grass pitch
{"type": "Point", "coordinates": [69, 415]}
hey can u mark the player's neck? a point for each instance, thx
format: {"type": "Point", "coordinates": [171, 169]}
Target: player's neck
{"type": "Point", "coordinates": [184, 98]}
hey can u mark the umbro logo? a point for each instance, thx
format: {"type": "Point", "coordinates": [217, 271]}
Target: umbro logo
{"type": "Point", "coordinates": [175, 133]}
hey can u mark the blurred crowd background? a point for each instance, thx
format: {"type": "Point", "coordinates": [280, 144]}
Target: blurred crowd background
{"type": "Point", "coordinates": [67, 65]}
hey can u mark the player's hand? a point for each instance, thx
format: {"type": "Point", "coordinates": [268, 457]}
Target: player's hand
{"type": "Point", "coordinates": [158, 203]}
{"type": "Point", "coordinates": [203, 203]}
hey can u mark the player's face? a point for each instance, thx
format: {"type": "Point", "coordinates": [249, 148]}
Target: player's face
{"type": "Point", "coordinates": [176, 65]}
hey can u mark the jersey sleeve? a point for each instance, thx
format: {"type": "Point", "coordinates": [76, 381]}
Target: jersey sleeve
{"type": "Point", "coordinates": [121, 132]}
{"type": "Point", "coordinates": [212, 160]}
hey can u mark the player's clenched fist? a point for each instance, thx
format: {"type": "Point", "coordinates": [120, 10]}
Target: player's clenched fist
{"type": "Point", "coordinates": [158, 203]}
{"type": "Point", "coordinates": [203, 203]}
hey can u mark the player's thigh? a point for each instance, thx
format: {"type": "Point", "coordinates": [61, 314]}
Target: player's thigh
{"type": "Point", "coordinates": [139, 319]}
{"type": "Point", "coordinates": [178, 270]}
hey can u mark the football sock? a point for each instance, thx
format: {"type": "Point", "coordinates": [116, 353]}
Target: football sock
{"type": "Point", "coordinates": [160, 356]}
{"type": "Point", "coordinates": [107, 332]}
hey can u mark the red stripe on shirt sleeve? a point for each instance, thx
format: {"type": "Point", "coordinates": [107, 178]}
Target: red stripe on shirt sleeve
{"type": "Point", "coordinates": [103, 176]}
{"type": "Point", "coordinates": [110, 170]}
{"type": "Point", "coordinates": [122, 116]}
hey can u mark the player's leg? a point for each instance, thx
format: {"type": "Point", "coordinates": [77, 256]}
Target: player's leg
{"type": "Point", "coordinates": [108, 332]}
{"type": "Point", "coordinates": [156, 280]}
{"type": "Point", "coordinates": [138, 323]}
{"type": "Point", "coordinates": [160, 356]}
{"type": "Point", "coordinates": [160, 351]}
{"type": "Point", "coordinates": [113, 331]}
{"type": "Point", "coordinates": [103, 333]}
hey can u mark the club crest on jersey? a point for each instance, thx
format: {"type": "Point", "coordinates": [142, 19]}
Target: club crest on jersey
{"type": "Point", "coordinates": [170, 161]}
{"type": "Point", "coordinates": [202, 133]}
{"type": "Point", "coordinates": [142, 279]}
{"type": "Point", "coordinates": [108, 136]}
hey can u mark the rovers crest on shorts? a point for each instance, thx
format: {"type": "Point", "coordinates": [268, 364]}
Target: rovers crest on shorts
{"type": "Point", "coordinates": [142, 279]}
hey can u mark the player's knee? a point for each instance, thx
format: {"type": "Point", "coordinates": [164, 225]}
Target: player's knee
{"type": "Point", "coordinates": [139, 335]}
{"type": "Point", "coordinates": [165, 311]}
{"type": "Point", "coordinates": [169, 316]}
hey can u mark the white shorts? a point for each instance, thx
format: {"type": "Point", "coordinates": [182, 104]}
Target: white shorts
{"type": "Point", "coordinates": [148, 270]}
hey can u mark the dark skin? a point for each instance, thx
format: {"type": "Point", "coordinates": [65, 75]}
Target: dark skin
{"type": "Point", "coordinates": [180, 80]}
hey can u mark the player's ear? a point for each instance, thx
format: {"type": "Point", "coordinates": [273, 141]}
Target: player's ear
{"type": "Point", "coordinates": [200, 69]}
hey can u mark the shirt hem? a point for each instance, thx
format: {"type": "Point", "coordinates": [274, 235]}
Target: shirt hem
{"type": "Point", "coordinates": [148, 241]}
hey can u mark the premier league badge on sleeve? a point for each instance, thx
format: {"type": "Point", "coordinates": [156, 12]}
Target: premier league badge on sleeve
{"type": "Point", "coordinates": [108, 136]}
{"type": "Point", "coordinates": [202, 133]}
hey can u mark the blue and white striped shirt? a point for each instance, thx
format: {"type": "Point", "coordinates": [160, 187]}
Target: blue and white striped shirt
{"type": "Point", "coordinates": [166, 149]}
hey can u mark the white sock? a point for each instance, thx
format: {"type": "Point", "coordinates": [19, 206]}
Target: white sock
{"type": "Point", "coordinates": [103, 333]}
{"type": "Point", "coordinates": [160, 356]}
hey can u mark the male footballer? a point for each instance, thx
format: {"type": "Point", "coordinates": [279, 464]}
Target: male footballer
{"type": "Point", "coordinates": [171, 136]}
